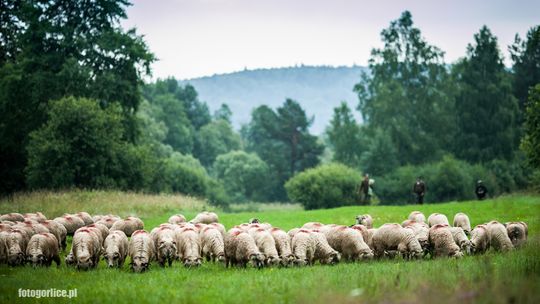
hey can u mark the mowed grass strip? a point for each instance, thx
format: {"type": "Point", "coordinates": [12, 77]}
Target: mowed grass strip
{"type": "Point", "coordinates": [490, 278]}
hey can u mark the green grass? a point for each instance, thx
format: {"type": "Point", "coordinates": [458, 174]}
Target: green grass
{"type": "Point", "coordinates": [490, 278]}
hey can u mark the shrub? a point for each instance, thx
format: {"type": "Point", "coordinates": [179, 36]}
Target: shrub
{"type": "Point", "coordinates": [326, 186]}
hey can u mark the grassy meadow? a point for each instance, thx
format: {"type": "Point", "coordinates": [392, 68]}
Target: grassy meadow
{"type": "Point", "coordinates": [512, 277]}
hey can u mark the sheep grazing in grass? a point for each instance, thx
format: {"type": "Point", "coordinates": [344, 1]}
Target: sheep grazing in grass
{"type": "Point", "coordinates": [461, 239]}
{"type": "Point", "coordinates": [16, 242]}
{"type": "Point", "coordinates": [42, 250]}
{"type": "Point", "coordinates": [71, 223]}
{"type": "Point", "coordinates": [128, 225]}
{"type": "Point", "coordinates": [283, 246]}
{"type": "Point", "coordinates": [188, 247]}
{"type": "Point", "coordinates": [12, 217]}
{"type": "Point", "coordinates": [313, 225]}
{"type": "Point", "coordinates": [266, 244]}
{"type": "Point", "coordinates": [498, 236]}
{"type": "Point", "coordinates": [115, 249]}
{"type": "Point", "coordinates": [240, 249]}
{"type": "Point", "coordinates": [324, 253]}
{"type": "Point", "coordinates": [417, 216]}
{"type": "Point", "coordinates": [108, 220]}
{"type": "Point", "coordinates": [59, 231]}
{"type": "Point", "coordinates": [437, 218]}
{"type": "Point", "coordinates": [213, 245]}
{"type": "Point", "coordinates": [364, 219]}
{"type": "Point", "coordinates": [442, 242]}
{"type": "Point", "coordinates": [349, 242]}
{"type": "Point", "coordinates": [177, 219]}
{"type": "Point", "coordinates": [37, 217]}
{"type": "Point", "coordinates": [480, 239]}
{"type": "Point", "coordinates": [141, 250]}
{"type": "Point", "coordinates": [421, 232]}
{"type": "Point", "coordinates": [304, 246]}
{"type": "Point", "coordinates": [462, 220]}
{"type": "Point", "coordinates": [393, 237]}
{"type": "Point", "coordinates": [86, 249]}
{"type": "Point", "coordinates": [517, 232]}
{"type": "Point", "coordinates": [363, 230]}
{"type": "Point", "coordinates": [165, 245]}
{"type": "Point", "coordinates": [205, 218]}
{"type": "Point", "coordinates": [85, 216]}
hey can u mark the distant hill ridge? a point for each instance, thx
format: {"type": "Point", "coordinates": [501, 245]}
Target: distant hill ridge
{"type": "Point", "coordinates": [317, 88]}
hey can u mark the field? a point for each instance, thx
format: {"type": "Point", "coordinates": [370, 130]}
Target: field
{"type": "Point", "coordinates": [491, 278]}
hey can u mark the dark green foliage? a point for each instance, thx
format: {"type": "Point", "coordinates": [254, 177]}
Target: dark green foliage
{"type": "Point", "coordinates": [171, 112]}
{"type": "Point", "coordinates": [213, 139]}
{"type": "Point", "coordinates": [526, 57]}
{"type": "Point", "coordinates": [282, 140]}
{"type": "Point", "coordinates": [325, 186]}
{"type": "Point", "coordinates": [52, 49]}
{"type": "Point", "coordinates": [381, 156]}
{"type": "Point", "coordinates": [487, 110]}
{"type": "Point", "coordinates": [407, 93]}
{"type": "Point", "coordinates": [80, 145]}
{"type": "Point", "coordinates": [345, 137]}
{"type": "Point", "coordinates": [223, 113]}
{"type": "Point", "coordinates": [530, 143]}
{"type": "Point", "coordinates": [244, 175]}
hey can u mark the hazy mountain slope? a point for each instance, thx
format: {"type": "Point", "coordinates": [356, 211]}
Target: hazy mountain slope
{"type": "Point", "coordinates": [319, 89]}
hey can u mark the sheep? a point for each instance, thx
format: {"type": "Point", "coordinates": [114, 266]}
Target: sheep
{"type": "Point", "coordinates": [364, 219]}
{"type": "Point", "coordinates": [230, 243]}
{"type": "Point", "coordinates": [213, 245]}
{"type": "Point", "coordinates": [369, 239]}
{"type": "Point", "coordinates": [437, 218]}
{"type": "Point", "coordinates": [103, 230]}
{"type": "Point", "coordinates": [38, 217]}
{"type": "Point", "coordinates": [266, 244]}
{"type": "Point", "coordinates": [13, 217]}
{"type": "Point", "coordinates": [240, 249]}
{"type": "Point", "coordinates": [86, 248]}
{"type": "Point", "coordinates": [205, 218]}
{"type": "Point", "coordinates": [59, 231]}
{"type": "Point", "coordinates": [108, 220]}
{"type": "Point", "coordinates": [31, 227]}
{"type": "Point", "coordinates": [421, 232]}
{"type": "Point", "coordinates": [498, 237]}
{"type": "Point", "coordinates": [461, 239]}
{"type": "Point", "coordinates": [349, 242]}
{"type": "Point", "coordinates": [71, 223]}
{"type": "Point", "coordinates": [16, 242]}
{"type": "Point", "coordinates": [177, 219]}
{"type": "Point", "coordinates": [283, 246]}
{"type": "Point", "coordinates": [303, 247]}
{"type": "Point", "coordinates": [293, 232]}
{"type": "Point", "coordinates": [141, 250]}
{"type": "Point", "coordinates": [188, 247]}
{"type": "Point", "coordinates": [363, 230]}
{"type": "Point", "coordinates": [391, 237]}
{"type": "Point", "coordinates": [442, 241]}
{"type": "Point", "coordinates": [115, 249]}
{"type": "Point", "coordinates": [480, 241]}
{"type": "Point", "coordinates": [219, 227]}
{"type": "Point", "coordinates": [417, 216]}
{"type": "Point", "coordinates": [517, 232]}
{"type": "Point", "coordinates": [324, 253]}
{"type": "Point", "coordinates": [165, 245]}
{"type": "Point", "coordinates": [462, 220]}
{"type": "Point", "coordinates": [128, 225]}
{"type": "Point", "coordinates": [85, 216]}
{"type": "Point", "coordinates": [43, 249]}
{"type": "Point", "coordinates": [313, 225]}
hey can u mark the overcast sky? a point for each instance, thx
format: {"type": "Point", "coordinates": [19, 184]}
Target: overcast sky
{"type": "Point", "coordinates": [193, 38]}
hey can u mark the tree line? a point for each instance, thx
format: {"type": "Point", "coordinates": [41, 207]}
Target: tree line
{"type": "Point", "coordinates": [75, 112]}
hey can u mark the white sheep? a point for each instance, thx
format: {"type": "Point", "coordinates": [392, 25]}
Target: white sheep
{"type": "Point", "coordinates": [498, 236]}
{"type": "Point", "coordinates": [461, 239]}
{"type": "Point", "coordinates": [115, 249]}
{"type": "Point", "coordinates": [417, 216]}
{"type": "Point", "coordinates": [165, 243]}
{"type": "Point", "coordinates": [43, 249]}
{"type": "Point", "coordinates": [480, 239]}
{"type": "Point", "coordinates": [313, 225]}
{"type": "Point", "coordinates": [141, 250]}
{"type": "Point", "coordinates": [304, 246]}
{"type": "Point", "coordinates": [177, 219]}
{"type": "Point", "coordinates": [128, 225]}
{"type": "Point", "coordinates": [324, 253]}
{"type": "Point", "coordinates": [437, 218]}
{"type": "Point", "coordinates": [71, 223]}
{"type": "Point", "coordinates": [517, 232]}
{"type": "Point", "coordinates": [13, 217]}
{"type": "Point", "coordinates": [266, 244]}
{"type": "Point", "coordinates": [16, 241]}
{"type": "Point", "coordinates": [189, 247]}
{"type": "Point", "coordinates": [462, 220]}
{"type": "Point", "coordinates": [86, 248]}
{"type": "Point", "coordinates": [392, 237]}
{"type": "Point", "coordinates": [283, 246]}
{"type": "Point", "coordinates": [205, 218]}
{"type": "Point", "coordinates": [240, 249]}
{"type": "Point", "coordinates": [365, 219]}
{"type": "Point", "coordinates": [349, 242]}
{"type": "Point", "coordinates": [213, 245]}
{"type": "Point", "coordinates": [442, 242]}
{"type": "Point", "coordinates": [59, 231]}
{"type": "Point", "coordinates": [421, 232]}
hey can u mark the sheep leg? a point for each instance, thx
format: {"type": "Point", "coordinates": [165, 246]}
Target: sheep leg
{"type": "Point", "coordinates": [56, 259]}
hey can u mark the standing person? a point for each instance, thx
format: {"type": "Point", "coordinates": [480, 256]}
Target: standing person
{"type": "Point", "coordinates": [481, 190]}
{"type": "Point", "coordinates": [364, 190]}
{"type": "Point", "coordinates": [419, 189]}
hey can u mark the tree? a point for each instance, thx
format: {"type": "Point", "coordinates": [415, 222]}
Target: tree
{"type": "Point", "coordinates": [52, 49]}
{"type": "Point", "coordinates": [223, 113]}
{"type": "Point", "coordinates": [214, 139]}
{"type": "Point", "coordinates": [381, 156]}
{"type": "Point", "coordinates": [406, 93]}
{"type": "Point", "coordinates": [170, 111]}
{"type": "Point", "coordinates": [530, 143]}
{"type": "Point", "coordinates": [487, 110]}
{"type": "Point", "coordinates": [344, 136]}
{"type": "Point", "coordinates": [526, 57]}
{"type": "Point", "coordinates": [244, 175]}
{"type": "Point", "coordinates": [80, 145]}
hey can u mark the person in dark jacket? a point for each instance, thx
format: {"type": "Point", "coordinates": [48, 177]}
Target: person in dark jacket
{"type": "Point", "coordinates": [364, 190]}
{"type": "Point", "coordinates": [481, 190]}
{"type": "Point", "coordinates": [419, 188]}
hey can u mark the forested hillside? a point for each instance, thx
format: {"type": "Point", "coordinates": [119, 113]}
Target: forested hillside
{"type": "Point", "coordinates": [317, 88]}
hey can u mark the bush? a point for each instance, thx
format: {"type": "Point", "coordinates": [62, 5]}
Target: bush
{"type": "Point", "coordinates": [325, 186]}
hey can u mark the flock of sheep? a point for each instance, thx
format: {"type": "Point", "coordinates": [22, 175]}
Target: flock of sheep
{"type": "Point", "coordinates": [32, 238]}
